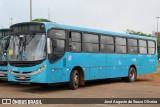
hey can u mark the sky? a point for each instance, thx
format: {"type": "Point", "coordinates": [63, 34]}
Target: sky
{"type": "Point", "coordinates": [110, 15]}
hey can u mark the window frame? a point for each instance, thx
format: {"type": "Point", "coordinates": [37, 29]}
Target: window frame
{"type": "Point", "coordinates": [65, 41]}
{"type": "Point", "coordinates": [70, 40]}
{"type": "Point", "coordinates": [132, 46]}
{"type": "Point", "coordinates": [121, 45]}
{"type": "Point", "coordinates": [143, 46]}
{"type": "Point", "coordinates": [107, 35]}
{"type": "Point", "coordinates": [151, 47]}
{"type": "Point", "coordinates": [92, 33]}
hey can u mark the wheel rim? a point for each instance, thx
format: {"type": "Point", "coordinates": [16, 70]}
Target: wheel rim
{"type": "Point", "coordinates": [76, 79]}
{"type": "Point", "coordinates": [132, 75]}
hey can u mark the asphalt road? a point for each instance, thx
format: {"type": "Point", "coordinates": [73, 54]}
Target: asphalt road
{"type": "Point", "coordinates": [142, 88]}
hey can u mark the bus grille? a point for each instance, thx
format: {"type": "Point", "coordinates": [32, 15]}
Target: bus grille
{"type": "Point", "coordinates": [27, 78]}
{"type": "Point", "coordinates": [5, 75]}
{"type": "Point", "coordinates": [22, 73]}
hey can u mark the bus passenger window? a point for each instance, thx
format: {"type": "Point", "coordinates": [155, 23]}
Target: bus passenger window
{"type": "Point", "coordinates": [121, 45]}
{"type": "Point", "coordinates": [90, 43]}
{"type": "Point", "coordinates": [75, 44]}
{"type": "Point", "coordinates": [151, 47]}
{"type": "Point", "coordinates": [132, 46]}
{"type": "Point", "coordinates": [107, 44]}
{"type": "Point", "coordinates": [142, 46]}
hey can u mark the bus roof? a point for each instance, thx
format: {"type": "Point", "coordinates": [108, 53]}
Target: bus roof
{"type": "Point", "coordinates": [49, 25]}
{"type": "Point", "coordinates": [98, 31]}
{"type": "Point", "coordinates": [5, 29]}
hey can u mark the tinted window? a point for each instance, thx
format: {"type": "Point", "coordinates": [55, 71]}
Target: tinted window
{"type": "Point", "coordinates": [89, 47]}
{"type": "Point", "coordinates": [121, 45]}
{"type": "Point", "coordinates": [75, 46]}
{"type": "Point", "coordinates": [58, 46]}
{"type": "Point", "coordinates": [121, 49]}
{"type": "Point", "coordinates": [57, 34]}
{"type": "Point", "coordinates": [95, 47]}
{"type": "Point", "coordinates": [107, 40]}
{"type": "Point", "coordinates": [151, 50]}
{"type": "Point", "coordinates": [90, 38]}
{"type": "Point", "coordinates": [76, 36]}
{"type": "Point", "coordinates": [142, 46]}
{"type": "Point", "coordinates": [132, 42]}
{"type": "Point", "coordinates": [132, 49]}
{"type": "Point", "coordinates": [107, 48]}
{"type": "Point", "coordinates": [143, 43]}
{"type": "Point", "coordinates": [151, 47]}
{"type": "Point", "coordinates": [143, 50]}
{"type": "Point", "coordinates": [151, 44]}
{"type": "Point", "coordinates": [120, 41]}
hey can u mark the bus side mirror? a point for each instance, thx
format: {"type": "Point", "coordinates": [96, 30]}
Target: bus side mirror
{"type": "Point", "coordinates": [49, 45]}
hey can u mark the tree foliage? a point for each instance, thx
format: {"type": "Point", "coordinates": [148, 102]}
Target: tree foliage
{"type": "Point", "coordinates": [129, 31]}
{"type": "Point", "coordinates": [41, 20]}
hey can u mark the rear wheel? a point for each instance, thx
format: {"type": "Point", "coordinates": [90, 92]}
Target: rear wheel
{"type": "Point", "coordinates": [74, 80]}
{"type": "Point", "coordinates": [132, 75]}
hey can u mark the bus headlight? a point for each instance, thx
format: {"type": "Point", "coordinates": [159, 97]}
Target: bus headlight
{"type": "Point", "coordinates": [39, 70]}
{"type": "Point", "coordinates": [9, 71]}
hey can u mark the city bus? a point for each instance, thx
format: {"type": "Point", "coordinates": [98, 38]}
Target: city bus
{"type": "Point", "coordinates": [47, 53]}
{"type": "Point", "coordinates": [4, 43]}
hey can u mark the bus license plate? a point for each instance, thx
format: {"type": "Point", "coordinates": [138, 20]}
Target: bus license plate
{"type": "Point", "coordinates": [22, 77]}
{"type": "Point", "coordinates": [1, 74]}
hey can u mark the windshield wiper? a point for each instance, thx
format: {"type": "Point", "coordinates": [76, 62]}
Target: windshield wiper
{"type": "Point", "coordinates": [29, 40]}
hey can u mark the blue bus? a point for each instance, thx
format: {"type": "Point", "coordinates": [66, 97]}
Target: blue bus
{"type": "Point", "coordinates": [47, 53]}
{"type": "Point", "coordinates": [4, 44]}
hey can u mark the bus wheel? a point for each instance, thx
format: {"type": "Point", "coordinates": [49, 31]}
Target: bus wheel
{"type": "Point", "coordinates": [74, 80]}
{"type": "Point", "coordinates": [132, 75]}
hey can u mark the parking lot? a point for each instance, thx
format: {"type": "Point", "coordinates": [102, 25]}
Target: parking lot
{"type": "Point", "coordinates": [144, 87]}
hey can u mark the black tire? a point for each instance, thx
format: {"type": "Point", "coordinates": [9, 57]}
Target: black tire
{"type": "Point", "coordinates": [74, 79]}
{"type": "Point", "coordinates": [132, 75]}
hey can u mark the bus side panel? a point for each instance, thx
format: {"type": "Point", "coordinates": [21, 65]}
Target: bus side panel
{"type": "Point", "coordinates": [126, 62]}
{"type": "Point", "coordinates": [55, 71]}
{"type": "Point", "coordinates": [146, 64]}
{"type": "Point", "coordinates": [76, 59]}
{"type": "Point", "coordinates": [114, 68]}
{"type": "Point", "coordinates": [97, 66]}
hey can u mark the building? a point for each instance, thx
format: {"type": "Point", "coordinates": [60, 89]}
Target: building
{"type": "Point", "coordinates": [157, 34]}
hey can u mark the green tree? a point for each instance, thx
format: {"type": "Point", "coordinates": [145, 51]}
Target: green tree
{"type": "Point", "coordinates": [41, 20]}
{"type": "Point", "coordinates": [129, 31]}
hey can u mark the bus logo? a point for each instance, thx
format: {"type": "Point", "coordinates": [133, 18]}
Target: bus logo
{"type": "Point", "coordinates": [69, 58]}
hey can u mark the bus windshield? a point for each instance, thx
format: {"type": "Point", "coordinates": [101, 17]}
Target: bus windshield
{"type": "Point", "coordinates": [4, 44]}
{"type": "Point", "coordinates": [27, 47]}
{"type": "Point", "coordinates": [1, 50]}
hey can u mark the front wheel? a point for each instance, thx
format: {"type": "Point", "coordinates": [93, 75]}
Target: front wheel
{"type": "Point", "coordinates": [74, 80]}
{"type": "Point", "coordinates": [132, 75]}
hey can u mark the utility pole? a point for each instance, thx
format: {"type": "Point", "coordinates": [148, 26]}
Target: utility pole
{"type": "Point", "coordinates": [157, 25]}
{"type": "Point", "coordinates": [49, 14]}
{"type": "Point", "coordinates": [30, 10]}
{"type": "Point", "coordinates": [11, 20]}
